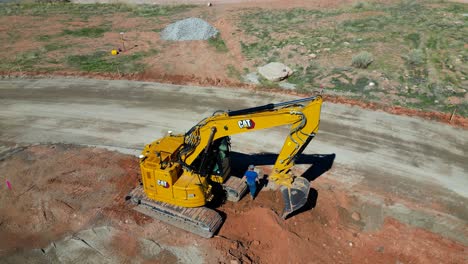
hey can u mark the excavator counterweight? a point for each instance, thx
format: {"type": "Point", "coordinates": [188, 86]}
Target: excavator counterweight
{"type": "Point", "coordinates": [181, 173]}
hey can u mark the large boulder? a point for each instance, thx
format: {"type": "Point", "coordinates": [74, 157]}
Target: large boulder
{"type": "Point", "coordinates": [275, 71]}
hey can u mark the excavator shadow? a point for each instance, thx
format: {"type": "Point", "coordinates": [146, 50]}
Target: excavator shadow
{"type": "Point", "coordinates": [320, 163]}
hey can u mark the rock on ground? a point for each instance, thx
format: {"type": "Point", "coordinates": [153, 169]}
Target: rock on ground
{"type": "Point", "coordinates": [287, 85]}
{"type": "Point", "coordinates": [275, 71]}
{"type": "Point", "coordinates": [189, 29]}
{"type": "Point", "coordinates": [251, 78]}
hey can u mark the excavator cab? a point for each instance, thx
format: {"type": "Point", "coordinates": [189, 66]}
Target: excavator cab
{"type": "Point", "coordinates": [217, 162]}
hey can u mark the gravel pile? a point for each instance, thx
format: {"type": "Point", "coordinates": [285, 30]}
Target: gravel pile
{"type": "Point", "coordinates": [189, 29]}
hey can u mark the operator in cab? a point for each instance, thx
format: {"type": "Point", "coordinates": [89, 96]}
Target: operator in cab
{"type": "Point", "coordinates": [251, 178]}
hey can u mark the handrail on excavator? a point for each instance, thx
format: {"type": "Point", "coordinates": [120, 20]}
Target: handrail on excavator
{"type": "Point", "coordinates": [269, 106]}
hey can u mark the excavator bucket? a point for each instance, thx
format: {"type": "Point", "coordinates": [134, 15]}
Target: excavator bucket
{"type": "Point", "coordinates": [295, 196]}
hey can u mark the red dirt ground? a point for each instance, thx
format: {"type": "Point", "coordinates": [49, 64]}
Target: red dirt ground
{"type": "Point", "coordinates": [61, 189]}
{"type": "Point", "coordinates": [257, 234]}
{"type": "Point", "coordinates": [55, 190]}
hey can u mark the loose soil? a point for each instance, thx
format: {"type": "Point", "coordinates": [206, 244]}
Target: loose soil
{"type": "Point", "coordinates": [62, 190]}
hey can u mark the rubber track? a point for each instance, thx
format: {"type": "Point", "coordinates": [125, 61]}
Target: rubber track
{"type": "Point", "coordinates": [200, 220]}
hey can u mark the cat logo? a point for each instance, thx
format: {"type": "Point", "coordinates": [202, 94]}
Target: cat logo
{"type": "Point", "coordinates": [164, 184]}
{"type": "Point", "coordinates": [247, 123]}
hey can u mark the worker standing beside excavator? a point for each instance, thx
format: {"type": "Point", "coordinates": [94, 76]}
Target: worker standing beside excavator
{"type": "Point", "coordinates": [251, 178]}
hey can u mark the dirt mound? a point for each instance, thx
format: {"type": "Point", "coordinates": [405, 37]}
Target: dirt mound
{"type": "Point", "coordinates": [58, 189]}
{"type": "Point", "coordinates": [264, 234]}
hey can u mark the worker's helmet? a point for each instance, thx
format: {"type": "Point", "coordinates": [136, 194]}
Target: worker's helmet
{"type": "Point", "coordinates": [251, 167]}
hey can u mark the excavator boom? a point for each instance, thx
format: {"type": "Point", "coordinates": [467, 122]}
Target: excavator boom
{"type": "Point", "coordinates": [304, 121]}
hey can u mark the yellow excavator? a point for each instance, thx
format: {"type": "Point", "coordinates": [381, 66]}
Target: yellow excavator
{"type": "Point", "coordinates": [180, 172]}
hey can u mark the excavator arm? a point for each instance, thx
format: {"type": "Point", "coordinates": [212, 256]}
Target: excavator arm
{"type": "Point", "coordinates": [304, 121]}
{"type": "Point", "coordinates": [302, 115]}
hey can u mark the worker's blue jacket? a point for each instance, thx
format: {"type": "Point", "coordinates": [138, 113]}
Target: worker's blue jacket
{"type": "Point", "coordinates": [251, 176]}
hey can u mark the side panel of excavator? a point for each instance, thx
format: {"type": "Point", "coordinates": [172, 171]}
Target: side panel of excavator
{"type": "Point", "coordinates": [165, 180]}
{"type": "Point", "coordinates": [167, 186]}
{"type": "Point", "coordinates": [177, 196]}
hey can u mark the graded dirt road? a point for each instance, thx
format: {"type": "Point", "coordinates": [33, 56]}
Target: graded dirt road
{"type": "Point", "coordinates": [129, 114]}
{"type": "Point", "coordinates": [409, 169]}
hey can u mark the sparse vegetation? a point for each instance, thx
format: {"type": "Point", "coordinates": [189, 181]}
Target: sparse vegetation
{"type": "Point", "coordinates": [232, 72]}
{"type": "Point", "coordinates": [59, 43]}
{"type": "Point", "coordinates": [89, 10]}
{"type": "Point", "coordinates": [218, 43]}
{"type": "Point", "coordinates": [267, 84]}
{"type": "Point", "coordinates": [359, 5]}
{"type": "Point", "coordinates": [362, 60]}
{"type": "Point", "coordinates": [306, 77]}
{"type": "Point", "coordinates": [26, 60]}
{"type": "Point", "coordinates": [159, 10]}
{"type": "Point", "coordinates": [369, 24]}
{"type": "Point", "coordinates": [44, 38]}
{"type": "Point", "coordinates": [347, 84]}
{"type": "Point", "coordinates": [415, 57]}
{"type": "Point", "coordinates": [414, 39]}
{"type": "Point", "coordinates": [51, 1]}
{"type": "Point", "coordinates": [104, 62]}
{"type": "Point", "coordinates": [419, 49]}
{"type": "Point", "coordinates": [55, 46]}
{"type": "Point", "coordinates": [91, 32]}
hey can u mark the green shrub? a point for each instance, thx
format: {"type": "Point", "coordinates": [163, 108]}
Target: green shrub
{"type": "Point", "coordinates": [414, 39]}
{"type": "Point", "coordinates": [415, 57]}
{"type": "Point", "coordinates": [359, 5]}
{"type": "Point", "coordinates": [362, 60]}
